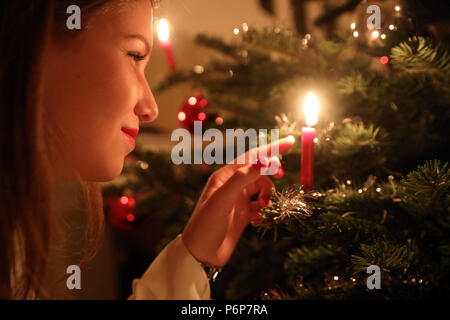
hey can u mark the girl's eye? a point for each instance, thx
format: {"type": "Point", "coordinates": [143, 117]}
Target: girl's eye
{"type": "Point", "coordinates": [136, 56]}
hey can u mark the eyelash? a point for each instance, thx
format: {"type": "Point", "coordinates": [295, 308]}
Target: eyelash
{"type": "Point", "coordinates": [136, 56]}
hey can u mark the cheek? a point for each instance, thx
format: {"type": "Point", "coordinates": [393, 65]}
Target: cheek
{"type": "Point", "coordinates": [91, 103]}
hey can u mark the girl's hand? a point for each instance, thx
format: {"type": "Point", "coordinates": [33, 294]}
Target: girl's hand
{"type": "Point", "coordinates": [225, 209]}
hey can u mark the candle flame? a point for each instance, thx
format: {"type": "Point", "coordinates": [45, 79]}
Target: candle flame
{"type": "Point", "coordinates": [311, 108]}
{"type": "Point", "coordinates": [163, 30]}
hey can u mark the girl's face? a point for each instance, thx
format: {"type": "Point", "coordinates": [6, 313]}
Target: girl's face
{"type": "Point", "coordinates": [95, 90]}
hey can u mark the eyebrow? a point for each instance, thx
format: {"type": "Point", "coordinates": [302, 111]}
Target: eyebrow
{"type": "Point", "coordinates": [142, 38]}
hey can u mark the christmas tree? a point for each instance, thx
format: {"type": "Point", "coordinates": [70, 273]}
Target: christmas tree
{"type": "Point", "coordinates": [381, 177]}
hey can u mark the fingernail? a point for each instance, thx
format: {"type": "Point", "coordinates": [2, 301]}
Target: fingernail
{"type": "Point", "coordinates": [262, 162]}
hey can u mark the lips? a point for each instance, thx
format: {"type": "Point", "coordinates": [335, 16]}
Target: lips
{"type": "Point", "coordinates": [130, 134]}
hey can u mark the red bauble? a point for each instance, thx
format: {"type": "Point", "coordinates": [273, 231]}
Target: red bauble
{"type": "Point", "coordinates": [193, 109]}
{"type": "Point", "coordinates": [122, 212]}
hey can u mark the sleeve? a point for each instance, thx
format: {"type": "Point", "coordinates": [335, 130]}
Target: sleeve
{"type": "Point", "coordinates": [174, 275]}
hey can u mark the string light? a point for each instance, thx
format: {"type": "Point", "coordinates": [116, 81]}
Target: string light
{"type": "Point", "coordinates": [236, 31]}
{"type": "Point", "coordinates": [198, 69]}
{"type": "Point", "coordinates": [397, 8]}
{"type": "Point", "coordinates": [378, 189]}
{"type": "Point", "coordinates": [353, 26]}
{"type": "Point", "coordinates": [244, 27]}
{"type": "Point", "coordinates": [375, 34]}
{"type": "Point", "coordinates": [391, 27]}
{"type": "Point", "coordinates": [316, 140]}
{"type": "Point", "coordinates": [384, 60]}
{"type": "Point", "coordinates": [219, 120]}
{"type": "Point", "coordinates": [349, 182]}
{"type": "Point", "coordinates": [383, 36]}
{"type": "Point", "coordinates": [336, 278]}
{"type": "Point", "coordinates": [142, 164]}
{"type": "Point", "coordinates": [360, 191]}
{"type": "Point", "coordinates": [355, 34]}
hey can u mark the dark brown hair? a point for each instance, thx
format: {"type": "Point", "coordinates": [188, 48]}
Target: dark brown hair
{"type": "Point", "coordinates": [26, 216]}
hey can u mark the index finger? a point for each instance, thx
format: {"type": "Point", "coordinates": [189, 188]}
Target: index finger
{"type": "Point", "coordinates": [269, 150]}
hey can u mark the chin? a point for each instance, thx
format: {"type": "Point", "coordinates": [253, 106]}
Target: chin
{"type": "Point", "coordinates": [106, 173]}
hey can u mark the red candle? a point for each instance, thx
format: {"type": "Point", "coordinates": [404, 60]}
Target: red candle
{"type": "Point", "coordinates": [167, 47]}
{"type": "Point", "coordinates": [307, 164]}
{"type": "Point", "coordinates": [311, 108]}
{"type": "Point", "coordinates": [165, 43]}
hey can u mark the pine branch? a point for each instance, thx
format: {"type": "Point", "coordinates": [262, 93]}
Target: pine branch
{"type": "Point", "coordinates": [218, 44]}
{"type": "Point", "coordinates": [280, 41]}
{"type": "Point", "coordinates": [419, 54]}
{"type": "Point", "coordinates": [304, 261]}
{"type": "Point", "coordinates": [427, 192]}
{"type": "Point", "coordinates": [345, 223]}
{"type": "Point", "coordinates": [355, 83]}
{"type": "Point", "coordinates": [354, 137]}
{"type": "Point", "coordinates": [386, 255]}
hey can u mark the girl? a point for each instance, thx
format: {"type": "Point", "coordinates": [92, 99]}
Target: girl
{"type": "Point", "coordinates": [70, 103]}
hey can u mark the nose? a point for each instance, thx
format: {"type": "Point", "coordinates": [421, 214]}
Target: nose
{"type": "Point", "coordinates": [146, 108]}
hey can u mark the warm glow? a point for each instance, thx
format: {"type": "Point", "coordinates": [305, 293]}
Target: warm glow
{"type": "Point", "coordinates": [356, 34]}
{"type": "Point", "coordinates": [375, 34]}
{"type": "Point", "coordinates": [397, 8]}
{"type": "Point", "coordinates": [311, 108]}
{"type": "Point", "coordinates": [353, 26]}
{"type": "Point", "coordinates": [163, 30]}
{"type": "Point", "coordinates": [383, 36]}
{"type": "Point", "coordinates": [391, 27]}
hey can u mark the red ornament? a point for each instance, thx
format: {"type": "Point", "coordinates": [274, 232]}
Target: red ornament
{"type": "Point", "coordinates": [384, 59]}
{"type": "Point", "coordinates": [121, 212]}
{"type": "Point", "coordinates": [193, 110]}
